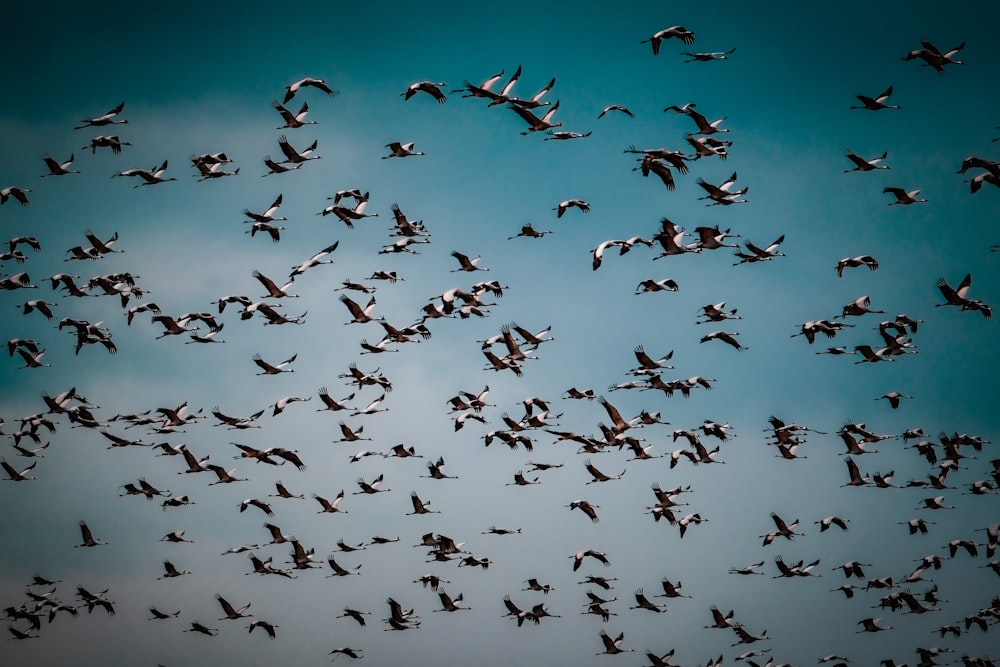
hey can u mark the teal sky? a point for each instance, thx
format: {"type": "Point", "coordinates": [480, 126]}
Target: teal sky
{"type": "Point", "coordinates": [203, 81]}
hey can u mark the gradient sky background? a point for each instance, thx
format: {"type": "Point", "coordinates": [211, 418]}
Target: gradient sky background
{"type": "Point", "coordinates": [203, 82]}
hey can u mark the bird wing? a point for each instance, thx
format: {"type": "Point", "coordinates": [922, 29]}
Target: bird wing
{"type": "Point", "coordinates": [612, 411]}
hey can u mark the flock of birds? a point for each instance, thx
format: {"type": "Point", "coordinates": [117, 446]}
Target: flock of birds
{"type": "Point", "coordinates": [645, 436]}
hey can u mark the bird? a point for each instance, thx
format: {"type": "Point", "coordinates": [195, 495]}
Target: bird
{"type": "Point", "coordinates": [293, 88]}
{"type": "Point", "coordinates": [231, 612]}
{"type": "Point", "coordinates": [530, 232]}
{"type": "Point", "coordinates": [269, 214]}
{"type": "Point", "coordinates": [398, 149]}
{"type": "Point", "coordinates": [420, 506]}
{"type": "Point", "coordinates": [95, 599]}
{"type": "Point", "coordinates": [598, 252]}
{"type": "Point", "coordinates": [360, 315]}
{"type": "Point", "coordinates": [280, 405]}
{"type": "Point", "coordinates": [567, 204]}
{"type": "Point", "coordinates": [356, 614]}
{"type": "Point", "coordinates": [224, 476]}
{"type": "Point", "coordinates": [18, 193]}
{"type": "Point", "coordinates": [716, 312]}
{"type": "Point", "coordinates": [15, 475]}
{"type": "Point", "coordinates": [41, 305]}
{"type": "Point", "coordinates": [564, 136]}
{"type": "Point", "coordinates": [615, 107]}
{"type": "Point", "coordinates": [448, 603]}
{"type": "Point", "coordinates": [269, 369]}
{"type": "Point", "coordinates": [970, 547]}
{"type": "Point", "coordinates": [663, 285]}
{"type": "Point", "coordinates": [292, 120]}
{"type": "Point", "coordinates": [957, 297]}
{"type": "Point", "coordinates": [761, 254]}
{"type": "Point", "coordinates": [161, 615]}
{"type": "Point", "coordinates": [467, 263]}
{"type": "Point", "coordinates": [933, 57]}
{"type": "Point", "coordinates": [707, 56]}
{"type": "Point", "coordinates": [723, 194]}
{"type": "Point", "coordinates": [659, 167]}
{"type": "Point", "coordinates": [88, 537]}
{"type": "Point", "coordinates": [826, 522]}
{"type": "Point", "coordinates": [677, 31]}
{"type": "Point", "coordinates": [976, 182]}
{"type": "Point", "coordinates": [269, 628]}
{"type": "Point", "coordinates": [713, 238]}
{"type": "Point", "coordinates": [935, 503]}
{"type": "Point", "coordinates": [872, 625]}
{"type": "Point", "coordinates": [295, 156]}
{"type": "Point", "coordinates": [903, 197]}
{"type": "Point", "coordinates": [144, 489]}
{"type": "Point", "coordinates": [876, 103]}
{"type": "Point", "coordinates": [259, 504]}
{"type": "Point", "coordinates": [355, 653]}
{"type": "Point", "coordinates": [746, 570]}
{"type": "Point", "coordinates": [175, 536]}
{"type": "Point", "coordinates": [485, 89]}
{"type": "Point", "coordinates": [213, 170]}
{"type": "Point", "coordinates": [597, 475]}
{"type": "Point", "coordinates": [106, 141]}
{"type": "Point", "coordinates": [171, 572]}
{"type": "Point", "coordinates": [642, 602]}
{"type": "Point", "coordinates": [704, 125]}
{"type": "Point", "coordinates": [587, 508]}
{"type": "Point", "coordinates": [613, 646]}
{"type": "Point", "coordinates": [273, 291]}
{"type": "Point", "coordinates": [521, 480]}
{"type": "Point", "coordinates": [728, 337]}
{"type": "Point", "coordinates": [154, 176]}
{"type": "Point", "coordinates": [599, 556]}
{"type": "Point", "coordinates": [894, 398]}
{"type": "Point", "coordinates": [276, 167]}
{"type": "Point", "coordinates": [535, 585]}
{"type": "Point", "coordinates": [708, 146]}
{"type": "Point", "coordinates": [746, 637]}
{"type": "Point", "coordinates": [861, 164]}
{"type": "Point", "coordinates": [536, 124]}
{"type": "Point", "coordinates": [579, 394]}
{"type": "Point", "coordinates": [858, 307]}
{"type": "Point", "coordinates": [429, 87]}
{"type": "Point", "coordinates": [108, 118]}
{"type": "Point", "coordinates": [783, 529]}
{"type": "Point", "coordinates": [534, 101]}
{"type": "Point", "coordinates": [975, 162]}
{"type": "Point", "coordinates": [854, 262]}
{"type": "Point", "coordinates": [57, 168]}
{"type": "Point", "coordinates": [375, 486]}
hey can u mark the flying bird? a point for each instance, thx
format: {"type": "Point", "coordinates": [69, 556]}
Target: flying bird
{"type": "Point", "coordinates": [429, 87]}
{"type": "Point", "coordinates": [876, 103]}
{"type": "Point", "coordinates": [903, 197]}
{"type": "Point", "coordinates": [398, 149]}
{"type": "Point", "coordinates": [933, 57]}
{"type": "Point", "coordinates": [18, 193]}
{"type": "Point", "coordinates": [861, 164]}
{"type": "Point", "coordinates": [57, 168]}
{"type": "Point", "coordinates": [88, 537]}
{"type": "Point", "coordinates": [293, 120]}
{"type": "Point", "coordinates": [293, 88]}
{"type": "Point", "coordinates": [709, 56]}
{"type": "Point", "coordinates": [677, 31]}
{"type": "Point", "coordinates": [109, 118]}
{"type": "Point", "coordinates": [615, 107]}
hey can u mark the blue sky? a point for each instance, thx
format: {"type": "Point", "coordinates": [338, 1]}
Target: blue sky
{"type": "Point", "coordinates": [205, 83]}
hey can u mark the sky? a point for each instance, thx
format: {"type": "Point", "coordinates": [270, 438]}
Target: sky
{"type": "Point", "coordinates": [197, 84]}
